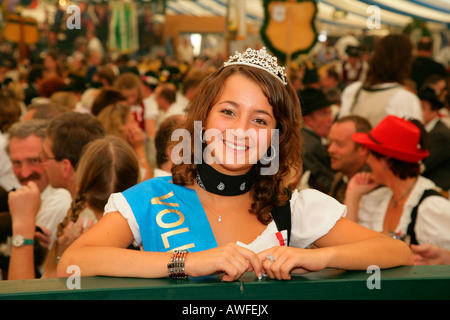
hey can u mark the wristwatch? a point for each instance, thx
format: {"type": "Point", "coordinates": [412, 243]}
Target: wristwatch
{"type": "Point", "coordinates": [19, 240]}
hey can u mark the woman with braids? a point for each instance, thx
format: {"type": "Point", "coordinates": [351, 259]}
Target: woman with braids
{"type": "Point", "coordinates": [107, 165]}
{"type": "Point", "coordinates": [225, 208]}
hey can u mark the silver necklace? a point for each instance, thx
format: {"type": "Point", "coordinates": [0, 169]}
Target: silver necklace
{"type": "Point", "coordinates": [395, 202]}
{"type": "Point", "coordinates": [221, 215]}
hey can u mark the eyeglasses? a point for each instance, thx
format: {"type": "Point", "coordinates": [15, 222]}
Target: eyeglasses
{"type": "Point", "coordinates": [33, 162]}
{"type": "Point", "coordinates": [43, 158]}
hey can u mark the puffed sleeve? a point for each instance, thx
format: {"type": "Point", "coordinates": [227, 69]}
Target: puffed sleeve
{"type": "Point", "coordinates": [117, 202]}
{"type": "Point", "coordinates": [314, 214]}
{"type": "Point", "coordinates": [433, 222]}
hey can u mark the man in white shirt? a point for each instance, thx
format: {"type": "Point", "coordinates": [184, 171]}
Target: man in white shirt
{"type": "Point", "coordinates": [8, 180]}
{"type": "Point", "coordinates": [25, 147]}
{"type": "Point", "coordinates": [166, 97]}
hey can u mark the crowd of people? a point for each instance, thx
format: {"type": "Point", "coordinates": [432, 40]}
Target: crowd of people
{"type": "Point", "coordinates": [363, 162]}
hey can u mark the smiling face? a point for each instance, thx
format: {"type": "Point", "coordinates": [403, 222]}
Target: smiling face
{"type": "Point", "coordinates": [24, 154]}
{"type": "Point", "coordinates": [238, 128]}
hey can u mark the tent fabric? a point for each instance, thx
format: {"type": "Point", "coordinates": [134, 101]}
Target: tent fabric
{"type": "Point", "coordinates": [393, 13]}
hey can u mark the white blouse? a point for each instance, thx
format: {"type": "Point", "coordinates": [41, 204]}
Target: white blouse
{"type": "Point", "coordinates": [313, 214]}
{"type": "Point", "coordinates": [433, 215]}
{"type": "Point", "coordinates": [403, 103]}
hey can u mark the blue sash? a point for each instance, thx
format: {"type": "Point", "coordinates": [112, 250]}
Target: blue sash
{"type": "Point", "coordinates": [169, 216]}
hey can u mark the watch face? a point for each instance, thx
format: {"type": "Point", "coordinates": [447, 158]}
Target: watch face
{"type": "Point", "coordinates": [17, 241]}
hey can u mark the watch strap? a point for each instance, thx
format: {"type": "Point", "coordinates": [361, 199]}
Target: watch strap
{"type": "Point", "coordinates": [28, 242]}
{"type": "Point", "coordinates": [19, 240]}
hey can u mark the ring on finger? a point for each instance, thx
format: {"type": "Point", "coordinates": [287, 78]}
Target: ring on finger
{"type": "Point", "coordinates": [270, 258]}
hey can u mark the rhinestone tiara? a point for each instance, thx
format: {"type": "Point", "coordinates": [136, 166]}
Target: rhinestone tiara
{"type": "Point", "coordinates": [259, 59]}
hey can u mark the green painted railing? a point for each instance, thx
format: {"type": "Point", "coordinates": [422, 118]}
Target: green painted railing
{"type": "Point", "coordinates": [418, 282]}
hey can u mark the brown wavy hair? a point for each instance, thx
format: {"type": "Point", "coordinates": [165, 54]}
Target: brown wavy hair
{"type": "Point", "coordinates": [268, 190]}
{"type": "Point", "coordinates": [390, 61]}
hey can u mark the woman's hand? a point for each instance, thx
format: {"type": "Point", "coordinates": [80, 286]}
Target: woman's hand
{"type": "Point", "coordinates": [429, 254]}
{"type": "Point", "coordinates": [44, 237]}
{"type": "Point", "coordinates": [280, 262]}
{"type": "Point", "coordinates": [135, 136]}
{"type": "Point", "coordinates": [23, 206]}
{"type": "Point", "coordinates": [72, 232]}
{"type": "Point", "coordinates": [231, 259]}
{"type": "Point", "coordinates": [361, 183]}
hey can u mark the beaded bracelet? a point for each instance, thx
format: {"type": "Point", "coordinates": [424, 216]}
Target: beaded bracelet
{"type": "Point", "coordinates": [176, 264]}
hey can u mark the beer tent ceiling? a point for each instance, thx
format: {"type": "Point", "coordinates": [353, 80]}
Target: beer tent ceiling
{"type": "Point", "coordinates": [347, 14]}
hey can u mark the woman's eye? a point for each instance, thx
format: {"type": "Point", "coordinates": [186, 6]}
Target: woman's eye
{"type": "Point", "coordinates": [260, 121]}
{"type": "Point", "coordinates": [227, 112]}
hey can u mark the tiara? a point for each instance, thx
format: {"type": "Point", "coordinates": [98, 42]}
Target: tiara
{"type": "Point", "coordinates": [259, 59]}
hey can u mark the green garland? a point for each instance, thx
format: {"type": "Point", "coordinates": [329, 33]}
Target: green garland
{"type": "Point", "coordinates": [417, 23]}
{"type": "Point", "coordinates": [281, 56]}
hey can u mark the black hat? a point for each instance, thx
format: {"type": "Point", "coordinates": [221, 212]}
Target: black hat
{"type": "Point", "coordinates": [428, 94]}
{"type": "Point", "coordinates": [353, 51]}
{"type": "Point", "coordinates": [311, 76]}
{"type": "Point", "coordinates": [312, 99]}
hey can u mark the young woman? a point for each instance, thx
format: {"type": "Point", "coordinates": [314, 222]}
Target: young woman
{"type": "Point", "coordinates": [220, 209]}
{"type": "Point", "coordinates": [130, 85]}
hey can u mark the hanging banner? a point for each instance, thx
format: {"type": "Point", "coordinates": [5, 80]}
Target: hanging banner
{"type": "Point", "coordinates": [289, 27]}
{"type": "Point", "coordinates": [242, 18]}
{"type": "Point", "coordinates": [123, 28]}
{"type": "Point", "coordinates": [237, 19]}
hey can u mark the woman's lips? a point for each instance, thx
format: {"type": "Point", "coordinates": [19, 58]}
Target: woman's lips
{"type": "Point", "coordinates": [235, 147]}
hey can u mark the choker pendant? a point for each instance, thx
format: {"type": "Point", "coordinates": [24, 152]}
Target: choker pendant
{"type": "Point", "coordinates": [216, 182]}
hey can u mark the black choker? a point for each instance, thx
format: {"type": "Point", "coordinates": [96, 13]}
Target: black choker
{"type": "Point", "coordinates": [213, 181]}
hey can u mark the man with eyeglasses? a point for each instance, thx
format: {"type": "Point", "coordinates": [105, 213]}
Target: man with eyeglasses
{"type": "Point", "coordinates": [62, 144]}
{"type": "Point", "coordinates": [25, 149]}
{"type": "Point", "coordinates": [36, 208]}
{"type": "Point", "coordinates": [65, 138]}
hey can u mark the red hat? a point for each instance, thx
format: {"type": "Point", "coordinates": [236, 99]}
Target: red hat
{"type": "Point", "coordinates": [394, 137]}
